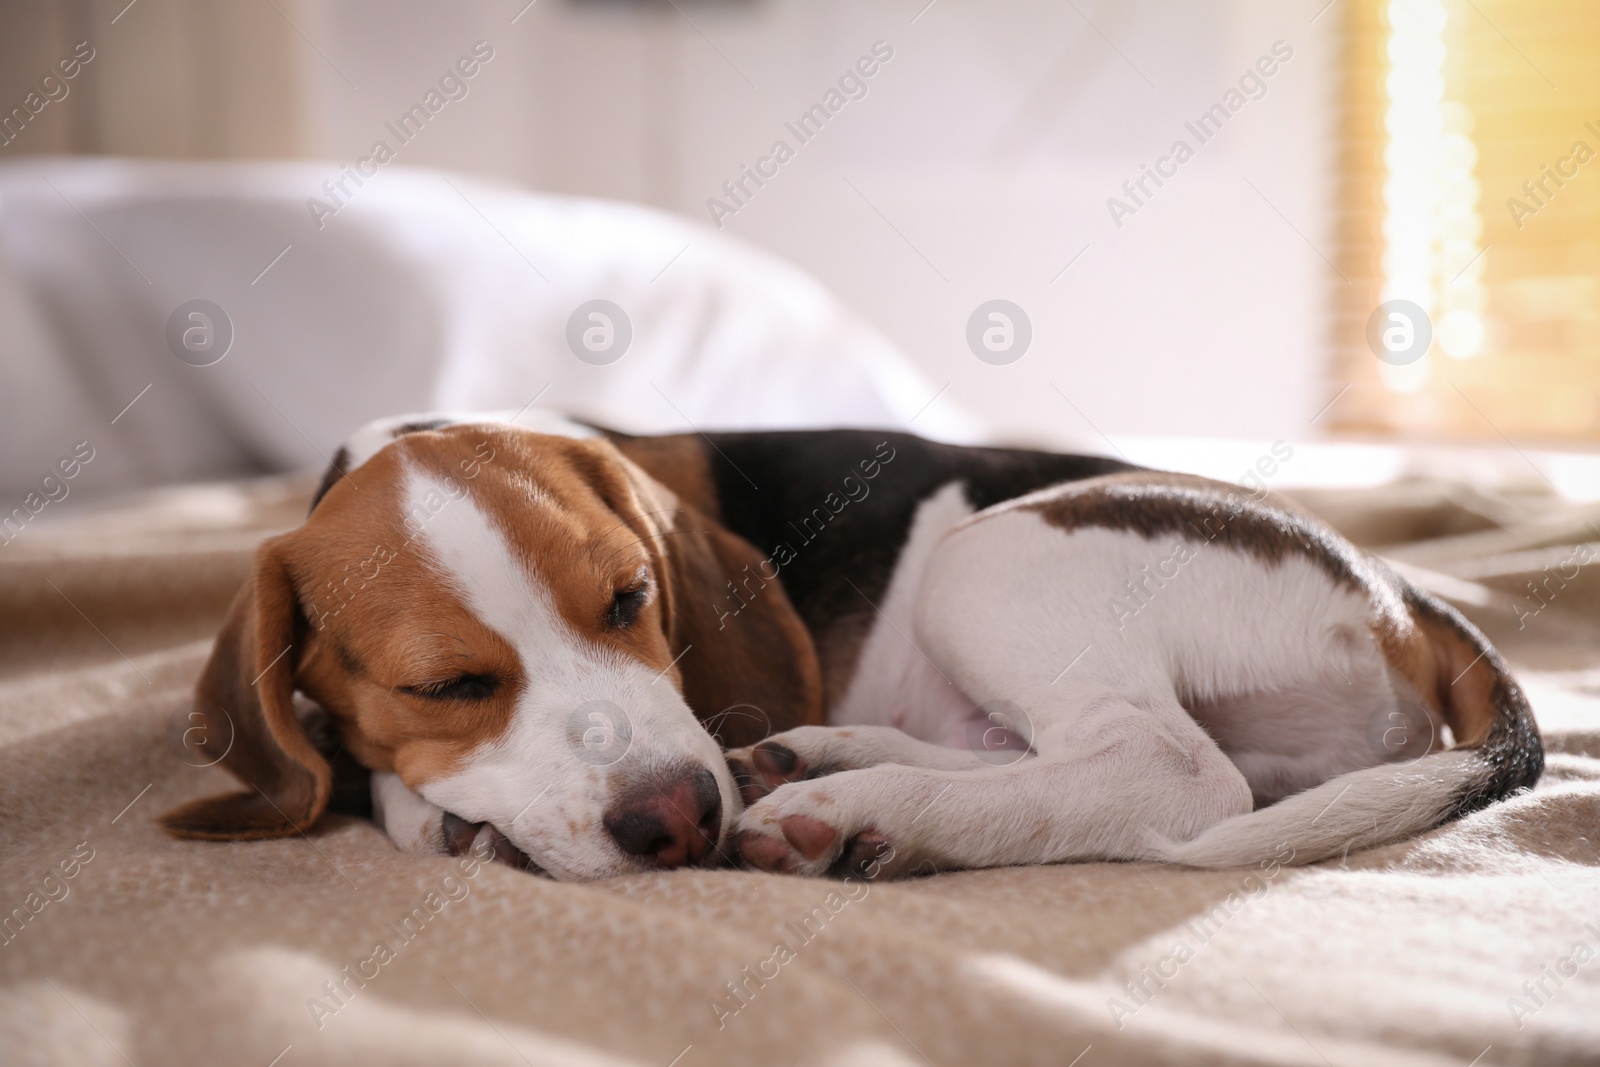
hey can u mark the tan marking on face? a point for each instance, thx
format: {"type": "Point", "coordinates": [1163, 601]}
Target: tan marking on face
{"type": "Point", "coordinates": [586, 543]}
{"type": "Point", "coordinates": [385, 617]}
{"type": "Point", "coordinates": [382, 620]}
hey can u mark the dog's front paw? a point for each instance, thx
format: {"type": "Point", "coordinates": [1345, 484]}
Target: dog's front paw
{"type": "Point", "coordinates": [793, 756]}
{"type": "Point", "coordinates": [801, 829]}
{"type": "Point", "coordinates": [761, 768]}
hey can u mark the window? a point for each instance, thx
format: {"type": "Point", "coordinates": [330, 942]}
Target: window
{"type": "Point", "coordinates": [1469, 188]}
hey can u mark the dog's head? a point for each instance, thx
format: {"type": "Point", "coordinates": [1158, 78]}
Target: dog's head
{"type": "Point", "coordinates": [525, 628]}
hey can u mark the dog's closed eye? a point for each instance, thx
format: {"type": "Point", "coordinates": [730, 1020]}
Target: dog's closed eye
{"type": "Point", "coordinates": [626, 605]}
{"type": "Point", "coordinates": [462, 687]}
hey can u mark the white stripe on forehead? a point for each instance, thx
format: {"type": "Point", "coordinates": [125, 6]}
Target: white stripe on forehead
{"type": "Point", "coordinates": [446, 523]}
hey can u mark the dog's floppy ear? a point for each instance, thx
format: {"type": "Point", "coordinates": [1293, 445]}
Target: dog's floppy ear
{"type": "Point", "coordinates": [245, 698]}
{"type": "Point", "coordinates": [748, 669]}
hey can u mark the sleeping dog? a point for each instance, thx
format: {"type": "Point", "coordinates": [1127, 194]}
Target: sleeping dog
{"type": "Point", "coordinates": [837, 652]}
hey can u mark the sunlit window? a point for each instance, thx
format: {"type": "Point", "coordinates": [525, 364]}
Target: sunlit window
{"type": "Point", "coordinates": [1465, 192]}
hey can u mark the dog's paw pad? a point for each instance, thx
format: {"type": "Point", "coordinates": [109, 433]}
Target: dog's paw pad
{"type": "Point", "coordinates": [810, 837]}
{"type": "Point", "coordinates": [765, 852]}
{"type": "Point", "coordinates": [778, 761]}
{"type": "Point", "coordinates": [865, 856]}
{"type": "Point", "coordinates": [758, 770]}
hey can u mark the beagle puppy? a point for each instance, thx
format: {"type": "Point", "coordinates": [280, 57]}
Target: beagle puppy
{"type": "Point", "coordinates": [838, 652]}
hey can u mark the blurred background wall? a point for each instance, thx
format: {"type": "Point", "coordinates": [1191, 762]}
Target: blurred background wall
{"type": "Point", "coordinates": [978, 164]}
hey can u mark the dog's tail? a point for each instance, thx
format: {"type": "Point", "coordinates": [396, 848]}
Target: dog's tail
{"type": "Point", "coordinates": [1497, 752]}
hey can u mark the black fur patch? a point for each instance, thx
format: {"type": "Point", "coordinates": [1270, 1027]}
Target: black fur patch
{"type": "Point", "coordinates": [335, 471]}
{"type": "Point", "coordinates": [794, 472]}
{"type": "Point", "coordinates": [419, 427]}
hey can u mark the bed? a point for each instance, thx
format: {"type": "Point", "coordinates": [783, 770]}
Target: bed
{"type": "Point", "coordinates": [1477, 943]}
{"type": "Point", "coordinates": [169, 951]}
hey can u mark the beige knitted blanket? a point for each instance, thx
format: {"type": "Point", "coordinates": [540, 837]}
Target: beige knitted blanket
{"type": "Point", "coordinates": [1477, 943]}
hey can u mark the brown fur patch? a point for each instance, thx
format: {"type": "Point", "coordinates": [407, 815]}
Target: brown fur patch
{"type": "Point", "coordinates": [746, 676]}
{"type": "Point", "coordinates": [1451, 665]}
{"type": "Point", "coordinates": [245, 693]}
{"type": "Point", "coordinates": [678, 462]}
{"type": "Point", "coordinates": [1157, 504]}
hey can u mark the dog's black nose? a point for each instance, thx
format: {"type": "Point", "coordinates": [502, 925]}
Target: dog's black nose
{"type": "Point", "coordinates": [672, 819]}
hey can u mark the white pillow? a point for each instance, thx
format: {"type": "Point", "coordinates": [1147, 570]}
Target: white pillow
{"type": "Point", "coordinates": [421, 290]}
{"type": "Point", "coordinates": [44, 408]}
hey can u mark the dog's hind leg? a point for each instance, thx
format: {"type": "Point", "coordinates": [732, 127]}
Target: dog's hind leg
{"type": "Point", "coordinates": [1120, 765]}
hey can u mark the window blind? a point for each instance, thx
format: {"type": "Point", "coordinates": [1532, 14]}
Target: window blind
{"type": "Point", "coordinates": [1469, 187]}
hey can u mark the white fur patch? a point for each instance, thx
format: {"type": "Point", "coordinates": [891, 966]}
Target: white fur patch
{"type": "Point", "coordinates": [1281, 657]}
{"type": "Point", "coordinates": [411, 822]}
{"type": "Point", "coordinates": [1045, 612]}
{"type": "Point", "coordinates": [894, 683]}
{"type": "Point", "coordinates": [542, 783]}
